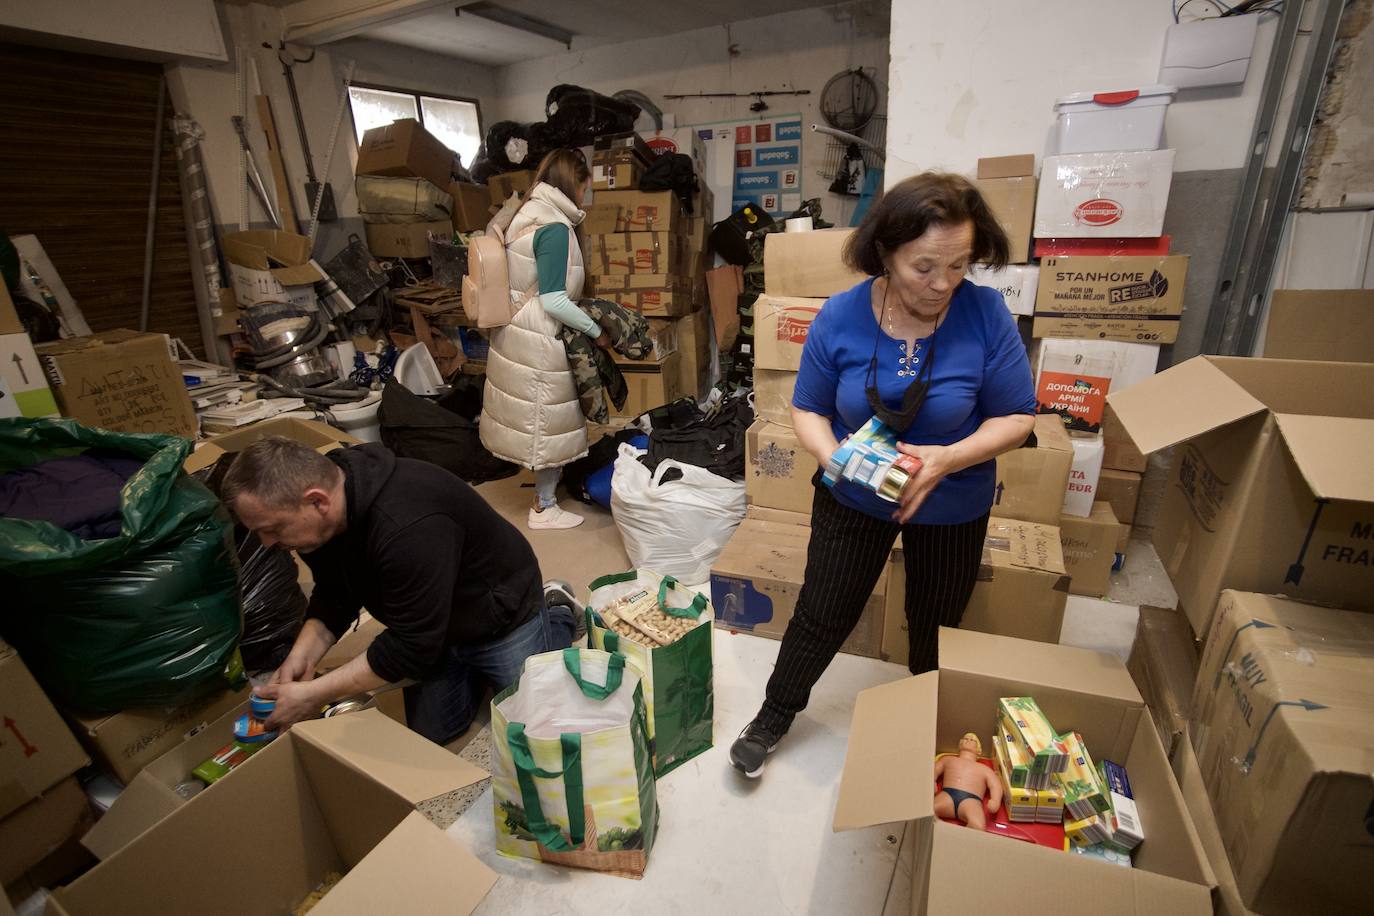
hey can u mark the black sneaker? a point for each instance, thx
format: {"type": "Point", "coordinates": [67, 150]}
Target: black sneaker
{"type": "Point", "coordinates": [558, 593]}
{"type": "Point", "coordinates": [752, 747]}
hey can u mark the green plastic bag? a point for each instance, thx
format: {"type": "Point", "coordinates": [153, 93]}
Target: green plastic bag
{"type": "Point", "coordinates": [148, 618]}
{"type": "Point", "coordinates": [678, 689]}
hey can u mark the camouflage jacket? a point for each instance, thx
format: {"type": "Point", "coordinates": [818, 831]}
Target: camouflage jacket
{"type": "Point", "coordinates": [594, 371]}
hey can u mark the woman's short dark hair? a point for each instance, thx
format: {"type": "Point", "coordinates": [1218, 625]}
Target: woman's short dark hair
{"type": "Point", "coordinates": [911, 207]}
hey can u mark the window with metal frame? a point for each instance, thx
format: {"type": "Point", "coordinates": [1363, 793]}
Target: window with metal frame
{"type": "Point", "coordinates": [454, 120]}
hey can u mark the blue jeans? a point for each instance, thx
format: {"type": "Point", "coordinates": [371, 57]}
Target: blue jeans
{"type": "Point", "coordinates": [445, 701]}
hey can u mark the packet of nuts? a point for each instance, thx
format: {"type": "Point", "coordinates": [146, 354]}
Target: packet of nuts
{"type": "Point", "coordinates": [637, 617]}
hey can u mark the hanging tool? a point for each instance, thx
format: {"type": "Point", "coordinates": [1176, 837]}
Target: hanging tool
{"type": "Point", "coordinates": [253, 174]}
{"type": "Point", "coordinates": [326, 209]}
{"type": "Point", "coordinates": [274, 159]}
{"type": "Point", "coordinates": [758, 105]}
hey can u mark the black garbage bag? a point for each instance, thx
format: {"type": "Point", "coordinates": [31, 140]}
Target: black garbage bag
{"type": "Point", "coordinates": [577, 116]}
{"type": "Point", "coordinates": [149, 617]}
{"type": "Point", "coordinates": [269, 589]}
{"type": "Point", "coordinates": [507, 145]}
{"type": "Point", "coordinates": [672, 172]}
{"type": "Point", "coordinates": [715, 442]}
{"type": "Point", "coordinates": [413, 427]}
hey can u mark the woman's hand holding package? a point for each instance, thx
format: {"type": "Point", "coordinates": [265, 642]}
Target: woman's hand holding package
{"type": "Point", "coordinates": [937, 461]}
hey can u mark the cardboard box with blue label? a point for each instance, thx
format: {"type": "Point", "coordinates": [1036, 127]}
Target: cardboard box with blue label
{"type": "Point", "coordinates": [756, 580]}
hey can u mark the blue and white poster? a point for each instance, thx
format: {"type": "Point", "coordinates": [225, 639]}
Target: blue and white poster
{"type": "Point", "coordinates": [768, 162]}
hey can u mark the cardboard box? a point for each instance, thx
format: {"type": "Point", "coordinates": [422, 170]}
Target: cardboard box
{"type": "Point", "coordinates": [778, 470]}
{"type": "Point", "coordinates": [773, 395]}
{"type": "Point", "coordinates": [1119, 451]}
{"type": "Point", "coordinates": [1073, 377]}
{"type": "Point", "coordinates": [501, 187]}
{"type": "Point", "coordinates": [1090, 550]}
{"type": "Point", "coordinates": [900, 726]}
{"type": "Point", "coordinates": [1336, 325]}
{"type": "Point", "coordinates": [601, 219]}
{"type": "Point", "coordinates": [782, 516]}
{"type": "Point", "coordinates": [1132, 299]}
{"type": "Point", "coordinates": [780, 327]}
{"type": "Point", "coordinates": [652, 383]}
{"type": "Point", "coordinates": [1016, 283]}
{"type": "Point", "coordinates": [629, 144]}
{"type": "Point", "coordinates": [664, 336]}
{"type": "Point", "coordinates": [807, 264]}
{"type": "Point", "coordinates": [120, 380]}
{"type": "Point", "coordinates": [1012, 201]}
{"type": "Point", "coordinates": [1226, 896]}
{"type": "Point", "coordinates": [1083, 476]}
{"type": "Point", "coordinates": [1270, 488]}
{"type": "Point", "coordinates": [471, 206]}
{"type": "Point", "coordinates": [724, 286]}
{"type": "Point", "coordinates": [1104, 195]}
{"type": "Point", "coordinates": [1021, 591]}
{"type": "Point", "coordinates": [404, 240]}
{"type": "Point", "coordinates": [1031, 482]}
{"type": "Point", "coordinates": [24, 390]}
{"type": "Point", "coordinates": [621, 253]}
{"type": "Point", "coordinates": [646, 211]}
{"type": "Point", "coordinates": [405, 149]}
{"type": "Point", "coordinates": [1126, 363]}
{"type": "Point", "coordinates": [127, 741]}
{"type": "Point", "coordinates": [1007, 166]}
{"type": "Point", "coordinates": [1122, 490]}
{"type": "Point", "coordinates": [1164, 663]}
{"type": "Point", "coordinates": [9, 315]}
{"type": "Point", "coordinates": [614, 170]}
{"type": "Point", "coordinates": [32, 833]}
{"type": "Point", "coordinates": [355, 794]}
{"type": "Point", "coordinates": [271, 265]}
{"type": "Point", "coordinates": [37, 751]}
{"type": "Point", "coordinates": [1284, 735]}
{"type": "Point", "coordinates": [320, 436]}
{"type": "Point", "coordinates": [652, 295]}
{"type": "Point", "coordinates": [695, 346]}
{"type": "Point", "coordinates": [757, 577]}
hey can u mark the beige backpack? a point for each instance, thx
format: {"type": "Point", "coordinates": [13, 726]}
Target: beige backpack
{"type": "Point", "coordinates": [486, 287]}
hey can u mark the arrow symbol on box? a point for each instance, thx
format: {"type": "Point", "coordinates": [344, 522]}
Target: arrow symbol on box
{"type": "Point", "coordinates": [1258, 625]}
{"type": "Point", "coordinates": [1305, 704]}
{"type": "Point", "coordinates": [29, 749]}
{"type": "Point", "coordinates": [1295, 571]}
{"type": "Point", "coordinates": [19, 364]}
{"type": "Point", "coordinates": [1000, 487]}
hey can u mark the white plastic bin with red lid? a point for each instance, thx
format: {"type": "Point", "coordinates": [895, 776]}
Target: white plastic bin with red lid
{"type": "Point", "coordinates": [1126, 119]}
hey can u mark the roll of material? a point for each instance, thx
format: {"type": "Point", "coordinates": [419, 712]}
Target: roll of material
{"type": "Point", "coordinates": [799, 224]}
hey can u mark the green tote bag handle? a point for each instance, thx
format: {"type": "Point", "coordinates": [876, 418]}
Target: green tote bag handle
{"type": "Point", "coordinates": [615, 672]}
{"type": "Point", "coordinates": [526, 772]}
{"type": "Point", "coordinates": [690, 612]}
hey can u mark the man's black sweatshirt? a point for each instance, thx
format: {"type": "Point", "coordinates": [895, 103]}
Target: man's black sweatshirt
{"type": "Point", "coordinates": [426, 555]}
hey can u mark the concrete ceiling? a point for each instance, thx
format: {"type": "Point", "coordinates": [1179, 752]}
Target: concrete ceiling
{"type": "Point", "coordinates": [593, 23]}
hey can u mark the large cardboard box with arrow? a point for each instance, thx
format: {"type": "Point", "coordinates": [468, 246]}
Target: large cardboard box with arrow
{"type": "Point", "coordinates": [1272, 484]}
{"type": "Point", "coordinates": [1284, 731]}
{"type": "Point", "coordinates": [24, 390]}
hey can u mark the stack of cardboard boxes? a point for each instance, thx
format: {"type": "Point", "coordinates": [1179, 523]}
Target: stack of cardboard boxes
{"type": "Point", "coordinates": [406, 191]}
{"type": "Point", "coordinates": [647, 253]}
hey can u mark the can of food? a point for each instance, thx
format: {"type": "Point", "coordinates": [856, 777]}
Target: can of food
{"type": "Point", "coordinates": [261, 707]}
{"type": "Point", "coordinates": [355, 703]}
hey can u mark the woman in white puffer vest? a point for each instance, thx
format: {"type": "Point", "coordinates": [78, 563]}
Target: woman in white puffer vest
{"type": "Point", "coordinates": [530, 411]}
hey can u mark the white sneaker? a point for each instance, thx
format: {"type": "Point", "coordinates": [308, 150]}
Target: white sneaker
{"type": "Point", "coordinates": [553, 518]}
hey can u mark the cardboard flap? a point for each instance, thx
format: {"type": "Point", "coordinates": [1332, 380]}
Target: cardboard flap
{"type": "Point", "coordinates": [1180, 403]}
{"type": "Point", "coordinates": [266, 249]}
{"type": "Point", "coordinates": [300, 274]}
{"type": "Point", "coordinates": [391, 754]}
{"type": "Point", "coordinates": [1063, 667]}
{"type": "Point", "coordinates": [892, 731]}
{"type": "Point", "coordinates": [143, 803]}
{"type": "Point", "coordinates": [416, 869]}
{"type": "Point", "coordinates": [1333, 454]}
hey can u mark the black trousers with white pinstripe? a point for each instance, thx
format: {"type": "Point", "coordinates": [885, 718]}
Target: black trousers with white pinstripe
{"type": "Point", "coordinates": [844, 559]}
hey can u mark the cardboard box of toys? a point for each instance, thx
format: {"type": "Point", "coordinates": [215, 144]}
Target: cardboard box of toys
{"type": "Point", "coordinates": [1021, 590]}
{"type": "Point", "coordinates": [807, 265]}
{"type": "Point", "coordinates": [37, 751]}
{"type": "Point", "coordinates": [356, 795]}
{"type": "Point", "coordinates": [405, 149]}
{"type": "Point", "coordinates": [1270, 488]}
{"type": "Point", "coordinates": [899, 728]}
{"type": "Point", "coordinates": [756, 579]}
{"type": "Point", "coordinates": [1284, 731]}
{"type": "Point", "coordinates": [120, 380]}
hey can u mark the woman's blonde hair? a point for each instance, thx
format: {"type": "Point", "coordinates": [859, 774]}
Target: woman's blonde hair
{"type": "Point", "coordinates": [566, 170]}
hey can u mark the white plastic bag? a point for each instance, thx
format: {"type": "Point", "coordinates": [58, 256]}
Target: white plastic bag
{"type": "Point", "coordinates": [676, 528]}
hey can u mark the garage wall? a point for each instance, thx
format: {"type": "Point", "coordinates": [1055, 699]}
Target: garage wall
{"type": "Point", "coordinates": [799, 50]}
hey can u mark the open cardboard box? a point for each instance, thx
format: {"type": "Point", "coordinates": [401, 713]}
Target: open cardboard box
{"type": "Point", "coordinates": [357, 794]}
{"type": "Point", "coordinates": [320, 436]}
{"type": "Point", "coordinates": [1272, 486]}
{"type": "Point", "coordinates": [899, 727]}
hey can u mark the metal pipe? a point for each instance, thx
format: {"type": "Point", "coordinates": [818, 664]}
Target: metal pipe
{"type": "Point", "coordinates": [150, 232]}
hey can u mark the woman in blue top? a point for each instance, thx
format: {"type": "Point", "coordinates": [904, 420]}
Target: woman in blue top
{"type": "Point", "coordinates": [916, 323]}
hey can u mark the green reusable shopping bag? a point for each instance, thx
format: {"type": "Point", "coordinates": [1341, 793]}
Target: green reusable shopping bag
{"type": "Point", "coordinates": [679, 695]}
{"type": "Point", "coordinates": [150, 617]}
{"type": "Point", "coordinates": [572, 783]}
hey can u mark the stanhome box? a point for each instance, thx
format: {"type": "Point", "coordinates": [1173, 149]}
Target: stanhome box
{"type": "Point", "coordinates": [1132, 299]}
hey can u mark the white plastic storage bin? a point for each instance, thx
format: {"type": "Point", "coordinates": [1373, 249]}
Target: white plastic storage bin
{"type": "Point", "coordinates": [1131, 119]}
